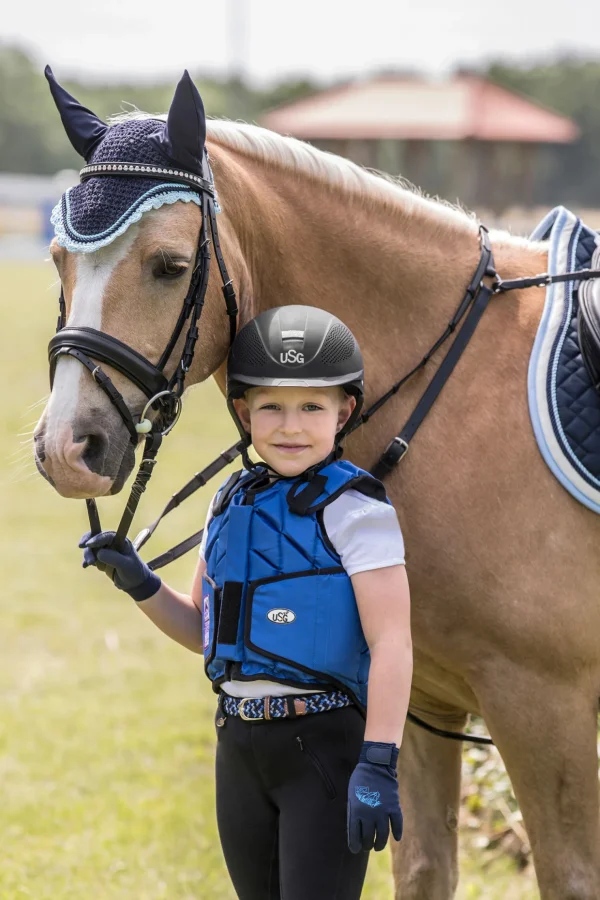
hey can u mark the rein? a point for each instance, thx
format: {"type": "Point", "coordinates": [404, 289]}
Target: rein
{"type": "Point", "coordinates": [166, 393]}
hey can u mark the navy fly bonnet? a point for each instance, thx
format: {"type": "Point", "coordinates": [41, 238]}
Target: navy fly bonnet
{"type": "Point", "coordinates": [153, 162]}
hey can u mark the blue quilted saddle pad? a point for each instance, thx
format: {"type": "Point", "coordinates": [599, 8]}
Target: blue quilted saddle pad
{"type": "Point", "coordinates": [563, 404]}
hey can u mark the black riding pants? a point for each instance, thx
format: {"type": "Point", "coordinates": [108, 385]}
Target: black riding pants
{"type": "Point", "coordinates": [281, 806]}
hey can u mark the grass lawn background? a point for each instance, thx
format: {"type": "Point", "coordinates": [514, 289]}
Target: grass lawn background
{"type": "Point", "coordinates": [106, 726]}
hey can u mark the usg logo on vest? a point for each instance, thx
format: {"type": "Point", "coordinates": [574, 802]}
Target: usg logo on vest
{"type": "Point", "coordinates": [291, 356]}
{"type": "Point", "coordinates": [281, 616]}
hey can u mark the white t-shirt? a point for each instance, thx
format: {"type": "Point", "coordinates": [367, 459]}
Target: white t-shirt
{"type": "Point", "coordinates": [366, 535]}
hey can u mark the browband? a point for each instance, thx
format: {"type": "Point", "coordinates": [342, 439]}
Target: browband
{"type": "Point", "coordinates": [134, 169]}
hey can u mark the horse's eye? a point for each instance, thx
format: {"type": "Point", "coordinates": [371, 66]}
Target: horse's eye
{"type": "Point", "coordinates": [166, 269]}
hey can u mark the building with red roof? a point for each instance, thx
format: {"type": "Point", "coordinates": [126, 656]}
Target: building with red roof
{"type": "Point", "coordinates": [463, 138]}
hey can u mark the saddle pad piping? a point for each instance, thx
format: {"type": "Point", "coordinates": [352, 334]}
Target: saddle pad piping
{"type": "Point", "coordinates": [568, 288]}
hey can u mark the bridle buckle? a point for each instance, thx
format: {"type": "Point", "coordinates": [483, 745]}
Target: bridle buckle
{"type": "Point", "coordinates": [396, 449]}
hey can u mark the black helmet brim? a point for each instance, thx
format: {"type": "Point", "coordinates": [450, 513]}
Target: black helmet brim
{"type": "Point", "coordinates": [238, 384]}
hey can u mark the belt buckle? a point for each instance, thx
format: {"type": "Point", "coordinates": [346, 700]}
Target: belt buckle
{"type": "Point", "coordinates": [241, 710]}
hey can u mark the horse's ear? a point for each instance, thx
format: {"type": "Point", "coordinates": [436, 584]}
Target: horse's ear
{"type": "Point", "coordinates": [84, 129]}
{"type": "Point", "coordinates": [185, 132]}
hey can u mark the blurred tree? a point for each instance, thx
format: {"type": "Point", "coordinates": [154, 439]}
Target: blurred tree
{"type": "Point", "coordinates": [570, 86]}
{"type": "Point", "coordinates": [285, 92]}
{"type": "Point", "coordinates": [29, 127]}
{"type": "Point", "coordinates": [32, 138]}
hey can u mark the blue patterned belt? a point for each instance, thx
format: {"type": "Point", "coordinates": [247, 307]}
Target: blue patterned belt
{"type": "Point", "coordinates": [288, 707]}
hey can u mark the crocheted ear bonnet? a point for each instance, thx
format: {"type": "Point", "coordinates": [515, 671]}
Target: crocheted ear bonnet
{"type": "Point", "coordinates": [95, 212]}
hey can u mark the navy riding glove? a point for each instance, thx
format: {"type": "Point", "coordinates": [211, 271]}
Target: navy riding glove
{"type": "Point", "coordinates": [128, 570]}
{"type": "Point", "coordinates": [373, 800]}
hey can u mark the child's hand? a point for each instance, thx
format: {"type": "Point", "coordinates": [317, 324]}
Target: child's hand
{"type": "Point", "coordinates": [373, 801]}
{"type": "Point", "coordinates": [127, 569]}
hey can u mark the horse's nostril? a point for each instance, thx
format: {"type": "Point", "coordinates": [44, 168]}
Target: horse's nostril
{"type": "Point", "coordinates": [95, 452]}
{"type": "Point", "coordinates": [40, 447]}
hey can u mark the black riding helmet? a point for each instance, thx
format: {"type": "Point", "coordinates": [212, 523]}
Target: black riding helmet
{"type": "Point", "coordinates": [295, 346]}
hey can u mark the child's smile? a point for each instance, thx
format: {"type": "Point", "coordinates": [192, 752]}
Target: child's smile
{"type": "Point", "coordinates": [291, 448]}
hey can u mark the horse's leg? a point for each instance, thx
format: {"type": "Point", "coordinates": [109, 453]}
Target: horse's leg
{"type": "Point", "coordinates": [425, 861]}
{"type": "Point", "coordinates": [546, 731]}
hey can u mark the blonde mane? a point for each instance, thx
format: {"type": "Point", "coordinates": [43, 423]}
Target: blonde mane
{"type": "Point", "coordinates": [331, 170]}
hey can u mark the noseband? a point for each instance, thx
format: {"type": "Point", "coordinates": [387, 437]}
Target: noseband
{"type": "Point", "coordinates": [91, 347]}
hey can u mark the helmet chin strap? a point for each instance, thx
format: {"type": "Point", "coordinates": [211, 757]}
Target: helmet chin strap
{"type": "Point", "coordinates": [248, 464]}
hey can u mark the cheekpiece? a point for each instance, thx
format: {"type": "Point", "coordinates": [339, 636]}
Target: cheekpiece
{"type": "Point", "coordinates": [127, 176]}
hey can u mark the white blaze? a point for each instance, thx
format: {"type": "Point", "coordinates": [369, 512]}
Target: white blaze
{"type": "Point", "coordinates": [93, 272]}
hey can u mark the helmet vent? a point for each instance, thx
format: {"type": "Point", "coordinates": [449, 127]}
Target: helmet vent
{"type": "Point", "coordinates": [338, 345]}
{"type": "Point", "coordinates": [249, 350]}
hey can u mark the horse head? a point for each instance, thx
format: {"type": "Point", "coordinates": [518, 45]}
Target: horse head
{"type": "Point", "coordinates": [131, 252]}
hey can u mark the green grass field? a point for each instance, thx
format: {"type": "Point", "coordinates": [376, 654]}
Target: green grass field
{"type": "Point", "coordinates": [106, 733]}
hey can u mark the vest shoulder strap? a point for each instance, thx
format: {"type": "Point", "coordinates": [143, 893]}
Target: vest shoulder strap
{"type": "Point", "coordinates": [307, 498]}
{"type": "Point", "coordinates": [227, 492]}
{"type": "Point", "coordinates": [238, 481]}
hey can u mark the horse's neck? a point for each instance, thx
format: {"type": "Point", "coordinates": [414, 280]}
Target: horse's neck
{"type": "Point", "coordinates": [393, 271]}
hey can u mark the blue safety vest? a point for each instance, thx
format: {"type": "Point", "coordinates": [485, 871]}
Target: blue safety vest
{"type": "Point", "coordinates": [276, 601]}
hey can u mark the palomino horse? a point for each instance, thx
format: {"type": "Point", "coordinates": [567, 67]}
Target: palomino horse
{"type": "Point", "coordinates": [502, 560]}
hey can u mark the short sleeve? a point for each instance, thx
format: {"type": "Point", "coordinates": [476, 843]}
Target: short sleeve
{"type": "Point", "coordinates": [365, 532]}
{"type": "Point", "coordinates": [209, 512]}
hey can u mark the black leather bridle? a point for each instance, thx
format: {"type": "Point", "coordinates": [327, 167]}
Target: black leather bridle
{"type": "Point", "coordinates": [91, 347]}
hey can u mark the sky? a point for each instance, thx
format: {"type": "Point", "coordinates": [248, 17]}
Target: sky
{"type": "Point", "coordinates": [269, 40]}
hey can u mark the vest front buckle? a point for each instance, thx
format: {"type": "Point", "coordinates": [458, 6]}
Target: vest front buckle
{"type": "Point", "coordinates": [241, 710]}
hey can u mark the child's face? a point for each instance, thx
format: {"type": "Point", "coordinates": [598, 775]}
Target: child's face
{"type": "Point", "coordinates": [293, 428]}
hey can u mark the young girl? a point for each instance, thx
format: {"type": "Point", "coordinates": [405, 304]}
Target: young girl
{"type": "Point", "coordinates": [300, 605]}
